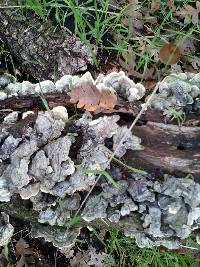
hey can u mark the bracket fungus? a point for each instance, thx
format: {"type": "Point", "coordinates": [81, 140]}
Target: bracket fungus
{"type": "Point", "coordinates": [46, 163]}
{"type": "Point", "coordinates": [179, 91]}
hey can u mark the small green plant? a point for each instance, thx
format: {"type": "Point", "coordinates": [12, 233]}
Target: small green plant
{"type": "Point", "coordinates": [73, 222]}
{"type": "Point", "coordinates": [5, 252]}
{"type": "Point", "coordinates": [179, 116]}
{"type": "Point", "coordinates": [130, 168]}
{"type": "Point", "coordinates": [97, 172]}
{"type": "Point", "coordinates": [126, 253]}
{"type": "Point", "coordinates": [189, 176]}
{"type": "Point", "coordinates": [59, 201]}
{"type": "Point", "coordinates": [8, 59]}
{"type": "Point", "coordinates": [38, 6]}
{"type": "Point", "coordinates": [44, 101]}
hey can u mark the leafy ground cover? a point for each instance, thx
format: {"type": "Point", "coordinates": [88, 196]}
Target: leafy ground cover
{"type": "Point", "coordinates": [133, 30]}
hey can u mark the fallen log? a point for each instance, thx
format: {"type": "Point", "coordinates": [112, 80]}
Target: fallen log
{"type": "Point", "coordinates": [167, 147]}
{"type": "Point", "coordinates": [37, 165]}
{"type": "Point", "coordinates": [43, 51]}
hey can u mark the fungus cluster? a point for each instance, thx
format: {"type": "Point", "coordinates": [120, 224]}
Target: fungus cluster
{"type": "Point", "coordinates": [178, 91]}
{"type": "Point", "coordinates": [37, 164]}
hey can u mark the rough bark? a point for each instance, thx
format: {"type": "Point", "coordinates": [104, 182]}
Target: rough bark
{"type": "Point", "coordinates": [46, 50]}
{"type": "Point", "coordinates": [168, 148]}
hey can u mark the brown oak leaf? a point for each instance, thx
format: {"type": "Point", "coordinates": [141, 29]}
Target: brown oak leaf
{"type": "Point", "coordinates": [87, 96]}
{"type": "Point", "coordinates": [25, 253]}
{"type": "Point", "coordinates": [170, 4]}
{"type": "Point", "coordinates": [155, 5]}
{"type": "Point", "coordinates": [190, 13]}
{"type": "Point", "coordinates": [169, 54]}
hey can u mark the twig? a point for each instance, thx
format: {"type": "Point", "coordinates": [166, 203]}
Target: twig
{"type": "Point", "coordinates": [189, 247]}
{"type": "Point", "coordinates": [7, 7]}
{"type": "Point", "coordinates": [144, 108]}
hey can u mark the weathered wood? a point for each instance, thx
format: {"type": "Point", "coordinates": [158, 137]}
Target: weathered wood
{"type": "Point", "coordinates": [43, 50]}
{"type": "Point", "coordinates": [162, 135]}
{"type": "Point", "coordinates": [34, 102]}
{"type": "Point", "coordinates": [177, 162]}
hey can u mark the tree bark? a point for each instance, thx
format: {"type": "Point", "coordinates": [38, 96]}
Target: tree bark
{"type": "Point", "coordinates": [43, 50]}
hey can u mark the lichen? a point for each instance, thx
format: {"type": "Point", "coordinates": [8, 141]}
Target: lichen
{"type": "Point", "coordinates": [6, 229]}
{"type": "Point", "coordinates": [178, 91]}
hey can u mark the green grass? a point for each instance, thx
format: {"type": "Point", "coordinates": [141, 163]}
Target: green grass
{"type": "Point", "coordinates": [126, 253]}
{"type": "Point", "coordinates": [97, 172]}
{"type": "Point", "coordinates": [8, 59]}
{"type": "Point", "coordinates": [173, 114]}
{"type": "Point", "coordinates": [94, 19]}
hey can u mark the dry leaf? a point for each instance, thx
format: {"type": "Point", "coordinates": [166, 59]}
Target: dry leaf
{"type": "Point", "coordinates": [87, 96]}
{"type": "Point", "coordinates": [133, 19]}
{"type": "Point", "coordinates": [169, 54]}
{"type": "Point", "coordinates": [190, 13]}
{"type": "Point", "coordinates": [155, 5]}
{"type": "Point", "coordinates": [25, 252]}
{"type": "Point", "coordinates": [170, 4]}
{"type": "Point", "coordinates": [21, 247]}
{"type": "Point", "coordinates": [149, 84]}
{"type": "Point", "coordinates": [188, 45]}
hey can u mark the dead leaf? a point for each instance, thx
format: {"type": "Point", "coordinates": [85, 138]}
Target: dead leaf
{"type": "Point", "coordinates": [170, 4]}
{"type": "Point", "coordinates": [127, 61]}
{"type": "Point", "coordinates": [189, 13]}
{"type": "Point", "coordinates": [155, 5]}
{"type": "Point", "coordinates": [149, 84]}
{"type": "Point", "coordinates": [25, 253]}
{"type": "Point", "coordinates": [3, 261]}
{"type": "Point", "coordinates": [169, 54]}
{"type": "Point", "coordinates": [149, 73]}
{"type": "Point", "coordinates": [87, 96]}
{"type": "Point", "coordinates": [133, 19]}
{"type": "Point", "coordinates": [21, 247]}
{"type": "Point", "coordinates": [189, 45]}
{"type": "Point", "coordinates": [134, 22]}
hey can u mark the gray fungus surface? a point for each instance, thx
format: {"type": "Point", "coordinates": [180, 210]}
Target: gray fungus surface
{"type": "Point", "coordinates": [38, 164]}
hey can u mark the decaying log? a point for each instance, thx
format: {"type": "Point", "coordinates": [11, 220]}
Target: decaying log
{"type": "Point", "coordinates": [45, 50]}
{"type": "Point", "coordinates": [167, 147]}
{"type": "Point", "coordinates": [38, 165]}
{"type": "Point", "coordinates": [21, 103]}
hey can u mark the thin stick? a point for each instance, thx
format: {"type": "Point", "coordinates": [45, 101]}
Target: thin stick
{"type": "Point", "coordinates": [144, 108]}
{"type": "Point", "coordinates": [7, 7]}
{"type": "Point", "coordinates": [189, 247]}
